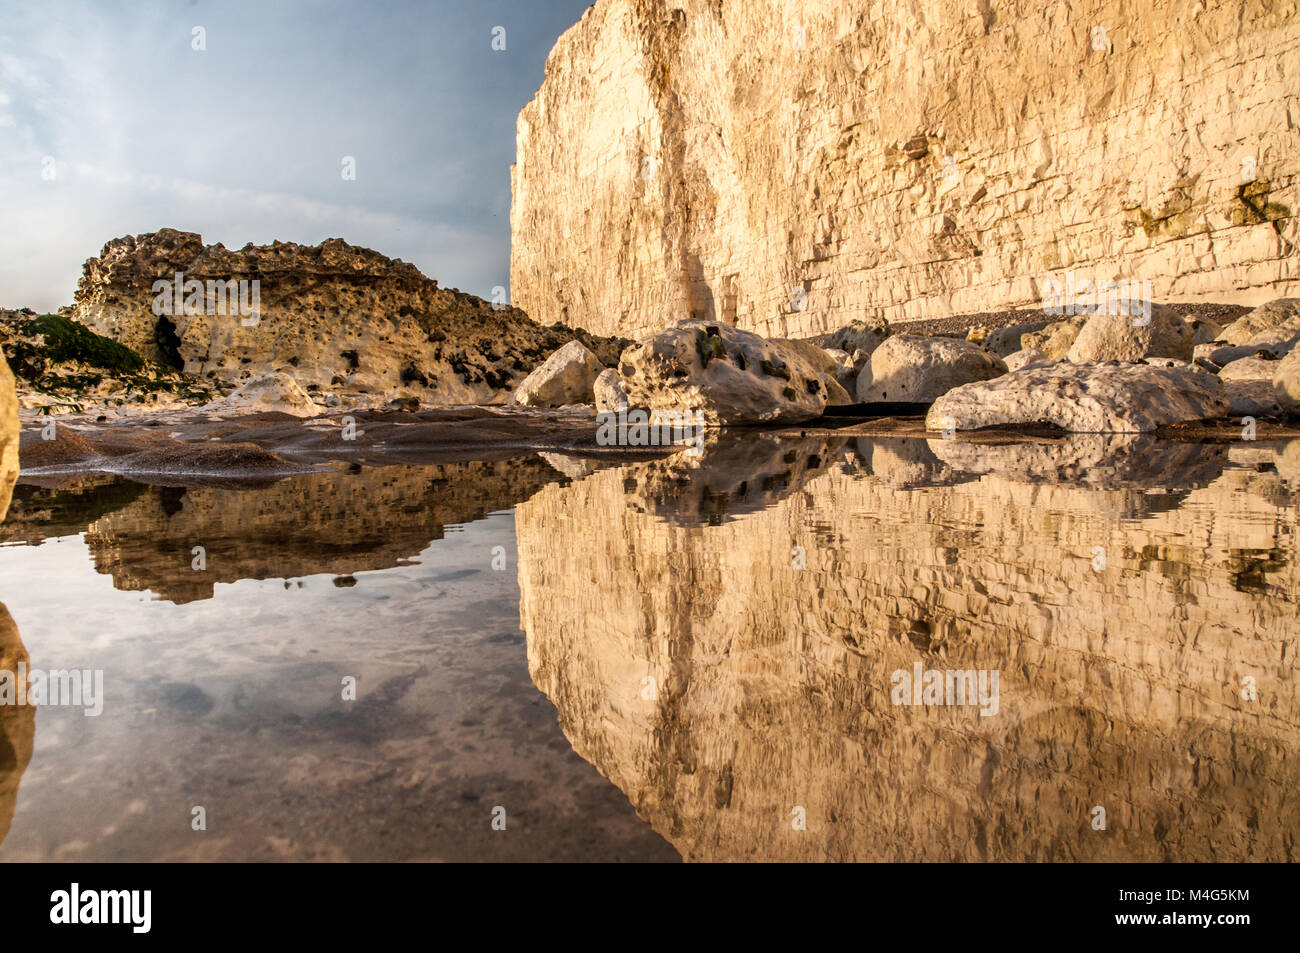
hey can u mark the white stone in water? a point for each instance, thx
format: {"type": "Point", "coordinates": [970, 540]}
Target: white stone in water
{"type": "Point", "coordinates": [1086, 398]}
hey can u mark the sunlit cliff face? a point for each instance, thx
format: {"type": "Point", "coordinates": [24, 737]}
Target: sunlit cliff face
{"type": "Point", "coordinates": [724, 649]}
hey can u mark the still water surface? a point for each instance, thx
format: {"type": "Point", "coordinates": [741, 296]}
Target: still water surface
{"type": "Point", "coordinates": [683, 658]}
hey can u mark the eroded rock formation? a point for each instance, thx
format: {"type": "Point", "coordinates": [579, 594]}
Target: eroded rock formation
{"type": "Point", "coordinates": [790, 165]}
{"type": "Point", "coordinates": [338, 318]}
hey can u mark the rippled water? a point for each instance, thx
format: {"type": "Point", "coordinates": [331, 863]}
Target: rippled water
{"type": "Point", "coordinates": [686, 657]}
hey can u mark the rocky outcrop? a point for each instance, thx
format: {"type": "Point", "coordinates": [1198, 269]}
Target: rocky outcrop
{"type": "Point", "coordinates": [789, 165]}
{"type": "Point", "coordinates": [727, 375]}
{"type": "Point", "coordinates": [1085, 398]}
{"type": "Point", "coordinates": [63, 367]}
{"type": "Point", "coordinates": [1133, 337]}
{"type": "Point", "coordinates": [911, 369]}
{"type": "Point", "coordinates": [726, 670]}
{"type": "Point", "coordinates": [566, 377]}
{"type": "Point", "coordinates": [340, 319]}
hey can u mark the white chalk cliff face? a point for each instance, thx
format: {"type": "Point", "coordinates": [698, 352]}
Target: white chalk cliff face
{"type": "Point", "coordinates": [721, 687]}
{"type": "Point", "coordinates": [790, 165]}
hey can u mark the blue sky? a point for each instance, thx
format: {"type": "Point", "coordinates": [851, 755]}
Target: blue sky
{"type": "Point", "coordinates": [244, 140]}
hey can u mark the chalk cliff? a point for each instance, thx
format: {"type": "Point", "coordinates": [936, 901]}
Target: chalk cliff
{"type": "Point", "coordinates": [790, 165]}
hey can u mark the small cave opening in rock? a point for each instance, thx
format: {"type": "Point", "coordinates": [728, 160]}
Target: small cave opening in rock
{"type": "Point", "coordinates": [169, 344]}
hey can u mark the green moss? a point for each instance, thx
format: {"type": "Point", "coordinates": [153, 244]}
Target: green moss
{"type": "Point", "coordinates": [1252, 207]}
{"type": "Point", "coordinates": [68, 341]}
{"type": "Point", "coordinates": [710, 348]}
{"type": "Point", "coordinates": [775, 370]}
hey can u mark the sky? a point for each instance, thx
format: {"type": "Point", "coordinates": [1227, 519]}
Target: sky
{"type": "Point", "coordinates": [113, 123]}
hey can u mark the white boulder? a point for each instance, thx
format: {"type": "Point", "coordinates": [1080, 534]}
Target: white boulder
{"type": "Point", "coordinates": [566, 377]}
{"type": "Point", "coordinates": [1085, 398]}
{"type": "Point", "coordinates": [914, 369]}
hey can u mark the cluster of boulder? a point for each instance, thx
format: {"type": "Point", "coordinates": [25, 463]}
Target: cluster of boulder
{"type": "Point", "coordinates": [1125, 373]}
{"type": "Point", "coordinates": [1102, 372]}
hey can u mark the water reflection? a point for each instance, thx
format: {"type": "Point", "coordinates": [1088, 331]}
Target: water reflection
{"type": "Point", "coordinates": [718, 636]}
{"type": "Point", "coordinates": [337, 522]}
{"type": "Point", "coordinates": [229, 697]}
{"type": "Point", "coordinates": [17, 724]}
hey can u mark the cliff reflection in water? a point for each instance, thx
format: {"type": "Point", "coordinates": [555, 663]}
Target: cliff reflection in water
{"type": "Point", "coordinates": [720, 687]}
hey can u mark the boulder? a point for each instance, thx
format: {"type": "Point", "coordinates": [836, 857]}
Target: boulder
{"type": "Point", "coordinates": [566, 377]}
{"type": "Point", "coordinates": [1055, 340]}
{"type": "Point", "coordinates": [608, 390]}
{"type": "Point", "coordinates": [1116, 337]}
{"type": "Point", "coordinates": [1282, 315]}
{"type": "Point", "coordinates": [861, 335]}
{"type": "Point", "coordinates": [1275, 343]}
{"type": "Point", "coordinates": [277, 392]}
{"type": "Point", "coordinates": [727, 375]}
{"type": "Point", "coordinates": [1286, 382]}
{"type": "Point", "coordinates": [1085, 398]}
{"type": "Point", "coordinates": [1253, 368]}
{"type": "Point", "coordinates": [825, 362]}
{"type": "Point", "coordinates": [8, 435]}
{"type": "Point", "coordinates": [1252, 398]}
{"type": "Point", "coordinates": [1006, 341]}
{"type": "Point", "coordinates": [846, 371]}
{"type": "Point", "coordinates": [1023, 358]}
{"type": "Point", "coordinates": [911, 368]}
{"type": "Point", "coordinates": [1204, 330]}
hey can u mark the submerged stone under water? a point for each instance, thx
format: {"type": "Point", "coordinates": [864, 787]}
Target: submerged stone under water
{"type": "Point", "coordinates": [688, 657]}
